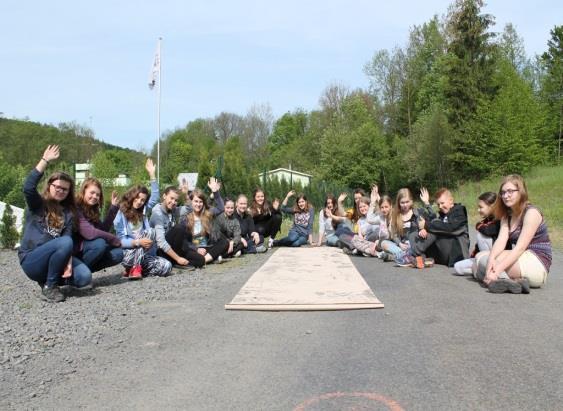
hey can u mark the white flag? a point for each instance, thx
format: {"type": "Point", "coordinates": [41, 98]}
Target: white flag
{"type": "Point", "coordinates": [155, 69]}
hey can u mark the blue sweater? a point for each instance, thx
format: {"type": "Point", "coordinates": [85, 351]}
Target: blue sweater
{"type": "Point", "coordinates": [123, 229]}
{"type": "Point", "coordinates": [36, 231]}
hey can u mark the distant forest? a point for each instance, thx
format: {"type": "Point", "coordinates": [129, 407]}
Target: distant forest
{"type": "Point", "coordinates": [460, 101]}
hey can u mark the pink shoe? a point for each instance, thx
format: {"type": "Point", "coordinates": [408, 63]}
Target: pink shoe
{"type": "Point", "coordinates": [136, 273]}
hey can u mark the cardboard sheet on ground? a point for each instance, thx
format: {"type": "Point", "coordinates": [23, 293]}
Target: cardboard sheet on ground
{"type": "Point", "coordinates": [305, 279]}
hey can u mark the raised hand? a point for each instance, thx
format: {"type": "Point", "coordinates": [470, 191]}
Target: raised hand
{"type": "Point", "coordinates": [290, 194]}
{"type": "Point", "coordinates": [184, 187]}
{"type": "Point", "coordinates": [276, 204]}
{"type": "Point", "coordinates": [214, 184]}
{"type": "Point", "coordinates": [375, 197]}
{"type": "Point", "coordinates": [342, 197]}
{"type": "Point", "coordinates": [114, 198]}
{"type": "Point", "coordinates": [51, 153]}
{"type": "Point", "coordinates": [151, 168]}
{"type": "Point", "coordinates": [425, 196]}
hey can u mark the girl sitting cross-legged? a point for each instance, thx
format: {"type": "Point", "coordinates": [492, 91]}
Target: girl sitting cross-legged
{"type": "Point", "coordinates": [196, 237]}
{"type": "Point", "coordinates": [136, 235]}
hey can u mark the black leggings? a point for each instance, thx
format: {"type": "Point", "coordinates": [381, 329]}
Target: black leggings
{"type": "Point", "coordinates": [176, 238]}
{"type": "Point", "coordinates": [269, 227]}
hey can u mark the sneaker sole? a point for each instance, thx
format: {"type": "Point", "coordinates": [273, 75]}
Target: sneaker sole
{"type": "Point", "coordinates": [503, 286]}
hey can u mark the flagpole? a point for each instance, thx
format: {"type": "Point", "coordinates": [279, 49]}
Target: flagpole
{"type": "Point", "coordinates": [158, 112]}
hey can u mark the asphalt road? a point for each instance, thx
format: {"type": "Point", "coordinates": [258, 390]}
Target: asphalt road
{"type": "Point", "coordinates": [441, 343]}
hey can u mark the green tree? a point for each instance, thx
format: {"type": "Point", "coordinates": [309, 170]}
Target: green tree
{"type": "Point", "coordinates": [104, 168]}
{"type": "Point", "coordinates": [429, 152]}
{"type": "Point", "coordinates": [8, 233]}
{"type": "Point", "coordinates": [552, 85]}
{"type": "Point", "coordinates": [470, 61]}
{"type": "Point", "coordinates": [507, 133]}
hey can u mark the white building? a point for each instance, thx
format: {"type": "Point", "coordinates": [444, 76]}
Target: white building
{"type": "Point", "coordinates": [291, 176]}
{"type": "Point", "coordinates": [82, 172]}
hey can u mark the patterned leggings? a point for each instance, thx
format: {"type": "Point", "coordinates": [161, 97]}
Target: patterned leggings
{"type": "Point", "coordinates": [147, 259]}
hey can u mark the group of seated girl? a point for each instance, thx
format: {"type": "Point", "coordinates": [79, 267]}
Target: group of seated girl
{"type": "Point", "coordinates": [66, 239]}
{"type": "Point", "coordinates": [513, 250]}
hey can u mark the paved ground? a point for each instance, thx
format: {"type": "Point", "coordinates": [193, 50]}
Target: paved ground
{"type": "Point", "coordinates": [440, 343]}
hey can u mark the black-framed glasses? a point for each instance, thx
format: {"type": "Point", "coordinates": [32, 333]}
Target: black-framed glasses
{"type": "Point", "coordinates": [508, 192]}
{"type": "Point", "coordinates": [60, 189]}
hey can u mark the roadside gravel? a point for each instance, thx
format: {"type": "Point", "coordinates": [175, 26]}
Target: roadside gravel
{"type": "Point", "coordinates": [42, 343]}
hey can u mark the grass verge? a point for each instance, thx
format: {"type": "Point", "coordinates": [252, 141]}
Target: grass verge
{"type": "Point", "coordinates": [544, 189]}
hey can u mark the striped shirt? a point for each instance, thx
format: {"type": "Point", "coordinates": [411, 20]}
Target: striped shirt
{"type": "Point", "coordinates": [540, 244]}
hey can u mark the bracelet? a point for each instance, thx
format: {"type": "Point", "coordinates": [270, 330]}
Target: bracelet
{"type": "Point", "coordinates": [45, 160]}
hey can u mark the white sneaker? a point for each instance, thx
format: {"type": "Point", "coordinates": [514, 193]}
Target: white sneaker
{"type": "Point", "coordinates": [238, 254]}
{"type": "Point", "coordinates": [261, 249]}
{"type": "Point", "coordinates": [219, 260]}
{"type": "Point", "coordinates": [270, 242]}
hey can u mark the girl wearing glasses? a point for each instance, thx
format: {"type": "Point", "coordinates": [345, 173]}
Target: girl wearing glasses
{"type": "Point", "coordinates": [523, 226]}
{"type": "Point", "coordinates": [45, 253]}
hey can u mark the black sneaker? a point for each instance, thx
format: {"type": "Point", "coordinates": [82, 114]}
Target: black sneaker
{"type": "Point", "coordinates": [52, 294]}
{"type": "Point", "coordinates": [525, 285]}
{"type": "Point", "coordinates": [505, 286]}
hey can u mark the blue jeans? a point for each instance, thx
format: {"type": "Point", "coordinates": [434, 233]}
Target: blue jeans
{"type": "Point", "coordinates": [293, 239]}
{"type": "Point", "coordinates": [392, 248]}
{"type": "Point", "coordinates": [97, 254]}
{"type": "Point", "coordinates": [332, 240]}
{"type": "Point", "coordinates": [46, 263]}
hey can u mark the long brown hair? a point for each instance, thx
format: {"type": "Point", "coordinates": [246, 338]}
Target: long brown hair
{"type": "Point", "coordinates": [254, 207]}
{"type": "Point", "coordinates": [296, 208]}
{"type": "Point", "coordinates": [356, 211]}
{"type": "Point", "coordinates": [386, 199]}
{"type": "Point", "coordinates": [397, 218]}
{"type": "Point", "coordinates": [92, 213]}
{"type": "Point", "coordinates": [500, 209]}
{"type": "Point", "coordinates": [54, 210]}
{"type": "Point", "coordinates": [126, 205]}
{"type": "Point", "coordinates": [330, 197]}
{"type": "Point", "coordinates": [205, 216]}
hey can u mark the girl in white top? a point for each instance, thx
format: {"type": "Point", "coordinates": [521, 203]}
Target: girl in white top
{"type": "Point", "coordinates": [326, 227]}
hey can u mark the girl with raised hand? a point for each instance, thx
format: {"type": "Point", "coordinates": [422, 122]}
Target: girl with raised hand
{"type": "Point", "coordinates": [326, 227]}
{"type": "Point", "coordinates": [370, 219]}
{"type": "Point", "coordinates": [267, 216]}
{"type": "Point", "coordinates": [133, 229]}
{"type": "Point", "coordinates": [46, 248]}
{"type": "Point", "coordinates": [487, 232]}
{"type": "Point", "coordinates": [352, 214]}
{"type": "Point", "coordinates": [522, 226]}
{"type": "Point", "coordinates": [196, 238]}
{"type": "Point", "coordinates": [95, 246]}
{"type": "Point", "coordinates": [303, 217]}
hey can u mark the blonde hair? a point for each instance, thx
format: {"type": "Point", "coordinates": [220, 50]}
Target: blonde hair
{"type": "Point", "coordinates": [396, 216]}
{"type": "Point", "coordinates": [500, 209]}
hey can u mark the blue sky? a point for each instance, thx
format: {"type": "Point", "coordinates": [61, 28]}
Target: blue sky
{"type": "Point", "coordinates": [89, 62]}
